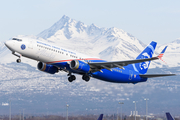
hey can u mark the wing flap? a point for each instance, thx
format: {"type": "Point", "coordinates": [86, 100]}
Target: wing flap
{"type": "Point", "coordinates": [155, 75]}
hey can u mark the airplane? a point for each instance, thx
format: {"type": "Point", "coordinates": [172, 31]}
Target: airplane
{"type": "Point", "coordinates": [168, 116]}
{"type": "Point", "coordinates": [53, 58]}
{"type": "Point", "coordinates": [100, 117]}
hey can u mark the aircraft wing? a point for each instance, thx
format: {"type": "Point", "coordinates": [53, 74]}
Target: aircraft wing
{"type": "Point", "coordinates": [108, 65]}
{"type": "Point", "coordinates": [120, 64]}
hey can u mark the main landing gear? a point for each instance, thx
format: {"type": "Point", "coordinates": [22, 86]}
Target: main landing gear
{"type": "Point", "coordinates": [86, 77]}
{"type": "Point", "coordinates": [71, 77]}
{"type": "Point", "coordinates": [18, 60]}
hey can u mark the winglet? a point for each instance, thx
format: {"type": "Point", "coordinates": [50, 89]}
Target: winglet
{"type": "Point", "coordinates": [169, 117]}
{"type": "Point", "coordinates": [100, 117]}
{"type": "Point", "coordinates": [162, 53]}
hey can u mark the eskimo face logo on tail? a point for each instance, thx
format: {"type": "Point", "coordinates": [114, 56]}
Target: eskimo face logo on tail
{"type": "Point", "coordinates": [144, 65]}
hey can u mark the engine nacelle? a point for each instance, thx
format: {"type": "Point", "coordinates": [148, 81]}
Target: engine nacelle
{"type": "Point", "coordinates": [80, 66]}
{"type": "Point", "coordinates": [47, 68]}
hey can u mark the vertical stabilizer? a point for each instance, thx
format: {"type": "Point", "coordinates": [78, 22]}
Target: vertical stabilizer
{"type": "Point", "coordinates": [168, 116]}
{"type": "Point", "coordinates": [100, 117]}
{"type": "Point", "coordinates": [146, 53]}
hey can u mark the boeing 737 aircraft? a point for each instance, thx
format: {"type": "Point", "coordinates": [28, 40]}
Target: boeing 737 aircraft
{"type": "Point", "coordinates": [53, 58]}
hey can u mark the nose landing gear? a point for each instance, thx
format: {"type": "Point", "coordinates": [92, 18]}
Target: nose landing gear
{"type": "Point", "coordinates": [18, 60]}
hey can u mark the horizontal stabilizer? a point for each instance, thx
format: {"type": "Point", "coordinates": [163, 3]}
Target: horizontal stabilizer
{"type": "Point", "coordinates": [163, 51]}
{"type": "Point", "coordinates": [155, 75]}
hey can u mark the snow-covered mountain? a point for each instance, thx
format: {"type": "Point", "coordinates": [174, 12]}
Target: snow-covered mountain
{"type": "Point", "coordinates": [111, 44]}
{"type": "Point", "coordinates": [107, 43]}
{"type": "Point", "coordinates": [40, 92]}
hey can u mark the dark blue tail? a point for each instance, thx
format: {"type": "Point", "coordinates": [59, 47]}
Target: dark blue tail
{"type": "Point", "coordinates": [100, 117]}
{"type": "Point", "coordinates": [146, 53]}
{"type": "Point", "coordinates": [169, 117]}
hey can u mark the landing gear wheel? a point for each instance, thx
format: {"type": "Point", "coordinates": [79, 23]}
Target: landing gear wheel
{"type": "Point", "coordinates": [71, 78]}
{"type": "Point", "coordinates": [18, 60]}
{"type": "Point", "coordinates": [86, 78]}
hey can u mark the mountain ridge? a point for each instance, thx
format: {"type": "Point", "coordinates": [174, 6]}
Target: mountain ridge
{"type": "Point", "coordinates": [78, 32]}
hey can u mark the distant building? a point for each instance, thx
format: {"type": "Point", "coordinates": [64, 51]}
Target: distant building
{"type": "Point", "coordinates": [133, 114]}
{"type": "Point", "coordinates": [159, 119]}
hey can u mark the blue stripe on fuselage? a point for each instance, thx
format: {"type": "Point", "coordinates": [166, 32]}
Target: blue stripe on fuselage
{"type": "Point", "coordinates": [117, 75]}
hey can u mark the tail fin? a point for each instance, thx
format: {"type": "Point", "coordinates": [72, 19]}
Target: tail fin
{"type": "Point", "coordinates": [146, 53]}
{"type": "Point", "coordinates": [169, 117]}
{"type": "Point", "coordinates": [100, 117]}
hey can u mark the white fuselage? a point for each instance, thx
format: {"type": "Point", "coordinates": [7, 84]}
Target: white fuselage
{"type": "Point", "coordinates": [44, 52]}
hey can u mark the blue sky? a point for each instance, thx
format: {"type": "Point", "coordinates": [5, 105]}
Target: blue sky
{"type": "Point", "coordinates": [148, 20]}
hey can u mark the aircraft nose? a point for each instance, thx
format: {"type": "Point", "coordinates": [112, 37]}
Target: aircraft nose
{"type": "Point", "coordinates": [5, 43]}
{"type": "Point", "coordinates": [9, 44]}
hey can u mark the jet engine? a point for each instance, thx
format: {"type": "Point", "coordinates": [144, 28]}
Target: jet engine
{"type": "Point", "coordinates": [47, 68]}
{"type": "Point", "coordinates": [80, 66]}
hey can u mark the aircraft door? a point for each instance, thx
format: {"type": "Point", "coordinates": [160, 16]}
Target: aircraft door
{"type": "Point", "coordinates": [130, 75]}
{"type": "Point", "coordinates": [30, 44]}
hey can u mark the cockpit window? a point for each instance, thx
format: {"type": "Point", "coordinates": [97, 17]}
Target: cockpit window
{"type": "Point", "coordinates": [17, 39]}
